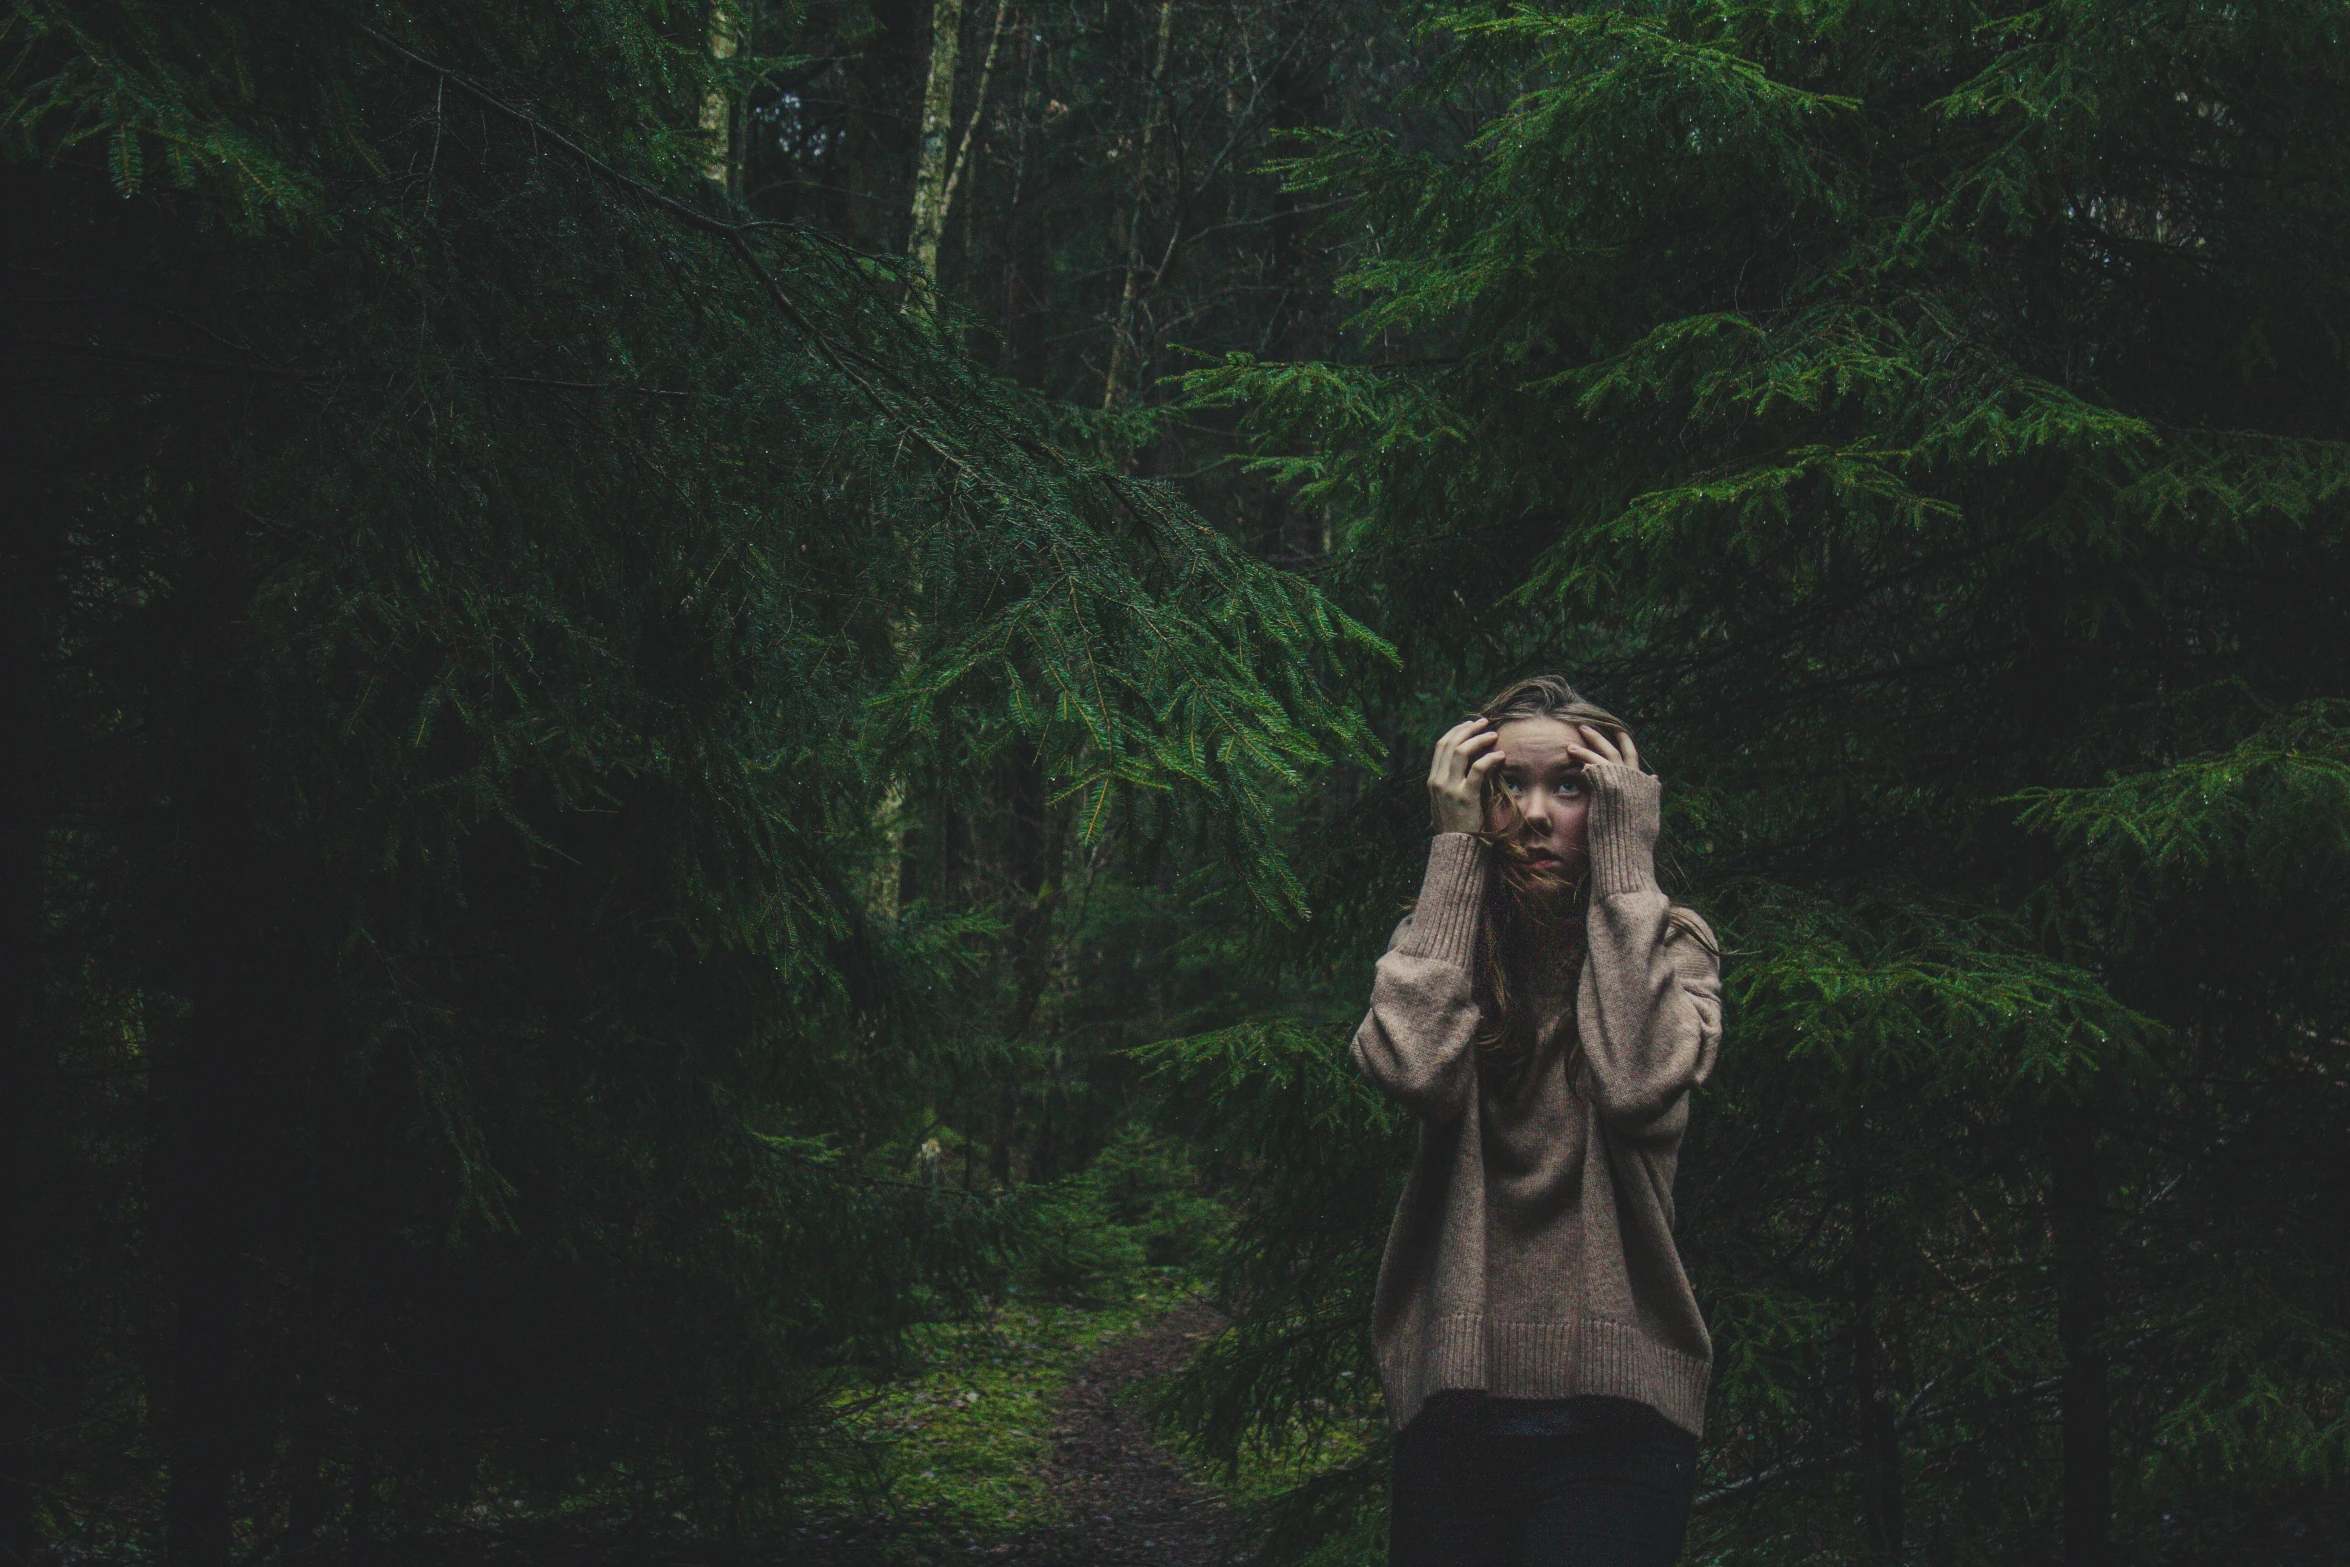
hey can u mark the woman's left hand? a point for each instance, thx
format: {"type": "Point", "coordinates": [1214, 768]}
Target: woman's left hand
{"type": "Point", "coordinates": [1595, 746]}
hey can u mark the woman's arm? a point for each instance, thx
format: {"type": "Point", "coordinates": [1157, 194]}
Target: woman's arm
{"type": "Point", "coordinates": [1653, 1022]}
{"type": "Point", "coordinates": [1418, 1043]}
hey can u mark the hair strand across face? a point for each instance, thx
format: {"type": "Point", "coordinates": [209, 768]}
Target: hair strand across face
{"type": "Point", "coordinates": [1533, 916]}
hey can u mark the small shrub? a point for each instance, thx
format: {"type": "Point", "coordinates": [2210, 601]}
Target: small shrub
{"type": "Point", "coordinates": [1148, 1183]}
{"type": "Point", "coordinates": [1139, 1204]}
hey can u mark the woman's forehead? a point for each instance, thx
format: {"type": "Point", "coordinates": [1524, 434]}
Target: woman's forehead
{"type": "Point", "coordinates": [1538, 741]}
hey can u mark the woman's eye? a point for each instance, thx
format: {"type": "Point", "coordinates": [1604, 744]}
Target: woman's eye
{"type": "Point", "coordinates": [1512, 786]}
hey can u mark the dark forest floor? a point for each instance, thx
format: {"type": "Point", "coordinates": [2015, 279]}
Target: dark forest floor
{"type": "Point", "coordinates": [1024, 1444]}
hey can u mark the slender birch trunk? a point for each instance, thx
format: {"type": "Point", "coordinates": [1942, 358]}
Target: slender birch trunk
{"type": "Point", "coordinates": [938, 119]}
{"type": "Point", "coordinates": [717, 102]}
{"type": "Point", "coordinates": [995, 41]}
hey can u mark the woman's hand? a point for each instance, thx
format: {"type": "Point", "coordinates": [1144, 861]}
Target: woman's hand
{"type": "Point", "coordinates": [1595, 746]}
{"type": "Point", "coordinates": [1456, 775]}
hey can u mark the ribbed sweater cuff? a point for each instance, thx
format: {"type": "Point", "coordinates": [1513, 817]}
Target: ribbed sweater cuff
{"type": "Point", "coordinates": [1444, 921]}
{"type": "Point", "coordinates": [1627, 807]}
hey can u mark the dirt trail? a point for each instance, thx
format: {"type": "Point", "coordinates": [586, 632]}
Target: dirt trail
{"type": "Point", "coordinates": [1128, 1501]}
{"type": "Point", "coordinates": [1125, 1501]}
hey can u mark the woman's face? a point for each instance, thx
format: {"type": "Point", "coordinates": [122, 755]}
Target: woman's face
{"type": "Point", "coordinates": [1539, 776]}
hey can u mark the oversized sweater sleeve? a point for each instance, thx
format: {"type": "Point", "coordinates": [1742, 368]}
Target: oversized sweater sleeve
{"type": "Point", "coordinates": [1418, 1043]}
{"type": "Point", "coordinates": [1654, 1020]}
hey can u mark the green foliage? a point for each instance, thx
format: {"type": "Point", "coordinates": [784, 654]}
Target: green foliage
{"type": "Point", "coordinates": [1139, 1205]}
{"type": "Point", "coordinates": [1287, 1395]}
{"type": "Point", "coordinates": [1904, 989]}
{"type": "Point", "coordinates": [682, 792]}
{"type": "Point", "coordinates": [484, 592]}
{"type": "Point", "coordinates": [951, 1453]}
{"type": "Point", "coordinates": [1079, 1254]}
{"type": "Point", "coordinates": [1924, 424]}
{"type": "Point", "coordinates": [2272, 812]}
{"type": "Point", "coordinates": [1149, 1185]}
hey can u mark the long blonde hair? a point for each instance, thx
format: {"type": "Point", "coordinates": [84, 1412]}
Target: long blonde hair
{"type": "Point", "coordinates": [1520, 924]}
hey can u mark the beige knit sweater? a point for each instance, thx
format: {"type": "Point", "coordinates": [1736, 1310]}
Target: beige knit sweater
{"type": "Point", "coordinates": [1532, 1253]}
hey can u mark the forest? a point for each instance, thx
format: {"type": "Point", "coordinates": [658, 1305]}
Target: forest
{"type": "Point", "coordinates": [710, 709]}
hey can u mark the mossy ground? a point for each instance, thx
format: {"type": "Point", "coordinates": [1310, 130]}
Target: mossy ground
{"type": "Point", "coordinates": [953, 1454]}
{"type": "Point", "coordinates": [956, 1452]}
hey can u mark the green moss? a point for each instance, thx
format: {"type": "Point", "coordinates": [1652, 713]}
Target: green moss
{"type": "Point", "coordinates": [954, 1452]}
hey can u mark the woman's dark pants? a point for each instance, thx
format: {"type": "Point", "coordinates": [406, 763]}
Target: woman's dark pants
{"type": "Point", "coordinates": [1615, 1492]}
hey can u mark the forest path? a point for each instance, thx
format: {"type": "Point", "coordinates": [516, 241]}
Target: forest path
{"type": "Point", "coordinates": [1117, 1498]}
{"type": "Point", "coordinates": [1128, 1500]}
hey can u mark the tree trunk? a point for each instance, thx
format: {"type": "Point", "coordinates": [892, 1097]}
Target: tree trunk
{"type": "Point", "coordinates": [1032, 914]}
{"type": "Point", "coordinates": [929, 218]}
{"type": "Point", "coordinates": [221, 1027]}
{"type": "Point", "coordinates": [1880, 1441]}
{"type": "Point", "coordinates": [1031, 923]}
{"type": "Point", "coordinates": [219, 928]}
{"type": "Point", "coordinates": [999, 1143]}
{"type": "Point", "coordinates": [361, 1537]}
{"type": "Point", "coordinates": [1121, 336]}
{"type": "Point", "coordinates": [946, 200]}
{"type": "Point", "coordinates": [22, 1062]}
{"type": "Point", "coordinates": [20, 888]}
{"type": "Point", "coordinates": [717, 102]}
{"type": "Point", "coordinates": [954, 839]}
{"type": "Point", "coordinates": [2080, 1318]}
{"type": "Point", "coordinates": [1024, 270]}
{"type": "Point", "coordinates": [1044, 1142]}
{"type": "Point", "coordinates": [306, 1504]}
{"type": "Point", "coordinates": [374, 1272]}
{"type": "Point", "coordinates": [1298, 104]}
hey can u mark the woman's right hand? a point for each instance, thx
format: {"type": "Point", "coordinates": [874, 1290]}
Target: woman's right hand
{"type": "Point", "coordinates": [1456, 775]}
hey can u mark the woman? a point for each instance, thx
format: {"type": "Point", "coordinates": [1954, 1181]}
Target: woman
{"type": "Point", "coordinates": [1543, 1012]}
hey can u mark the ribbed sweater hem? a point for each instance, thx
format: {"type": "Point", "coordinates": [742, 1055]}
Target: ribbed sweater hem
{"type": "Point", "coordinates": [1546, 1360]}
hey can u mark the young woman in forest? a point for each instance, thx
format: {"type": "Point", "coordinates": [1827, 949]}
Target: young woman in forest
{"type": "Point", "coordinates": [1544, 1012]}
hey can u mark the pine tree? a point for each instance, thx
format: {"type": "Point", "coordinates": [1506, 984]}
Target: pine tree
{"type": "Point", "coordinates": [1925, 424]}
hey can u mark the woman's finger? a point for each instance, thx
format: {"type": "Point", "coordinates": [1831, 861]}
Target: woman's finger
{"type": "Point", "coordinates": [1601, 743]}
{"type": "Point", "coordinates": [1631, 753]}
{"type": "Point", "coordinates": [1452, 761]}
{"type": "Point", "coordinates": [1476, 743]}
{"type": "Point", "coordinates": [1452, 737]}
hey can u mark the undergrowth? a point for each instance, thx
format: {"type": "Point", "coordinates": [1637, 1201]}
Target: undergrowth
{"type": "Point", "coordinates": [947, 1451]}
